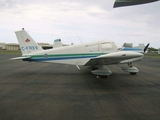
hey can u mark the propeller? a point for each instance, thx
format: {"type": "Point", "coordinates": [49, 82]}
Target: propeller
{"type": "Point", "coordinates": [146, 47]}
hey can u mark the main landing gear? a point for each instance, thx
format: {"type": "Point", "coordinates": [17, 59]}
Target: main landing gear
{"type": "Point", "coordinates": [101, 72]}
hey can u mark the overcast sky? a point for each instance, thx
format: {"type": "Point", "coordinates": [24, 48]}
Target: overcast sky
{"type": "Point", "coordinates": [87, 20]}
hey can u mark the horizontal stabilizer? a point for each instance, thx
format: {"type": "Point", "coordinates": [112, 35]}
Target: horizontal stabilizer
{"type": "Point", "coordinates": [19, 58]}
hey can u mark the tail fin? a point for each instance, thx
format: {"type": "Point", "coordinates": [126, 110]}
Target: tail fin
{"type": "Point", "coordinates": [27, 44]}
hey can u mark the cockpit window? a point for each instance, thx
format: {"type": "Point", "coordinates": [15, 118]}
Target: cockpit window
{"type": "Point", "coordinates": [106, 46]}
{"type": "Point", "coordinates": [93, 48]}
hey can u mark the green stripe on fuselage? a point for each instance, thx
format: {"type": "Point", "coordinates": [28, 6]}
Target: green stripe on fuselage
{"type": "Point", "coordinates": [67, 55]}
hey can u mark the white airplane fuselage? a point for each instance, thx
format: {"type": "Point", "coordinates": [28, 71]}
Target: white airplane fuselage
{"type": "Point", "coordinates": [73, 54]}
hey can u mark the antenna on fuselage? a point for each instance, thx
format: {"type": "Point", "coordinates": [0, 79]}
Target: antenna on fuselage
{"type": "Point", "coordinates": [79, 38]}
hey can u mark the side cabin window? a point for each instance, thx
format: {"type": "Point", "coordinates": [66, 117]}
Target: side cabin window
{"type": "Point", "coordinates": [106, 47]}
{"type": "Point", "coordinates": [92, 48]}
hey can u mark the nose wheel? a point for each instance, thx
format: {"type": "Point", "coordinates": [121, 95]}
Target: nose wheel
{"type": "Point", "coordinates": [131, 69]}
{"type": "Point", "coordinates": [133, 73]}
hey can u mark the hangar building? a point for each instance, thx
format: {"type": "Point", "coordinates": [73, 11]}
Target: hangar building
{"type": "Point", "coordinates": [15, 46]}
{"type": "Point", "coordinates": [2, 46]}
{"type": "Point", "coordinates": [12, 46]}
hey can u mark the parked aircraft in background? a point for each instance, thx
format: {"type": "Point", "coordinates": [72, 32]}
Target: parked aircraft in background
{"type": "Point", "coordinates": [122, 3]}
{"type": "Point", "coordinates": [95, 55]}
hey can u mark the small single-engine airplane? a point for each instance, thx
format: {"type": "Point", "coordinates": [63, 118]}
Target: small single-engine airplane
{"type": "Point", "coordinates": [94, 55]}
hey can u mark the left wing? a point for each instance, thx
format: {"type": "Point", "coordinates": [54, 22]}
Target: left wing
{"type": "Point", "coordinates": [115, 58]}
{"type": "Point", "coordinates": [20, 58]}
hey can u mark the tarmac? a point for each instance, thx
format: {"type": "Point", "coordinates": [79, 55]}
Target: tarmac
{"type": "Point", "coordinates": [45, 91]}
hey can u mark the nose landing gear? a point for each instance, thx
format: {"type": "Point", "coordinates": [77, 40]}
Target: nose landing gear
{"type": "Point", "coordinates": [131, 69]}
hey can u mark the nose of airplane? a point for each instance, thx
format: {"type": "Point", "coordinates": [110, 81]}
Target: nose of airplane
{"type": "Point", "coordinates": [122, 55]}
{"type": "Point", "coordinates": [131, 54]}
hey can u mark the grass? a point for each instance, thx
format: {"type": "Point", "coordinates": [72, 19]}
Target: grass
{"type": "Point", "coordinates": [153, 55]}
{"type": "Point", "coordinates": [10, 52]}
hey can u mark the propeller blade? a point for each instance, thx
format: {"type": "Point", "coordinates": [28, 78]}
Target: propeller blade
{"type": "Point", "coordinates": [146, 47]}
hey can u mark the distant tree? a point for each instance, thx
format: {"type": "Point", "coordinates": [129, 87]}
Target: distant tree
{"type": "Point", "coordinates": [152, 49]}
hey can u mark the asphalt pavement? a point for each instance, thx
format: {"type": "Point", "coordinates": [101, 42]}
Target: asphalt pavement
{"type": "Point", "coordinates": [45, 91]}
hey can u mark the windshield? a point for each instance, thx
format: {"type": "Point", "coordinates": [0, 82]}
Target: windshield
{"type": "Point", "coordinates": [119, 47]}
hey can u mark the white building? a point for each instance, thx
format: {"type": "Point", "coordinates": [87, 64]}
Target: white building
{"type": "Point", "coordinates": [12, 46]}
{"type": "Point", "coordinates": [142, 46]}
{"type": "Point", "coordinates": [159, 51]}
{"type": "Point", "coordinates": [2, 46]}
{"type": "Point", "coordinates": [128, 45]}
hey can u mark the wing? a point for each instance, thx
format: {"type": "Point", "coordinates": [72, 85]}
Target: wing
{"type": "Point", "coordinates": [115, 58]}
{"type": "Point", "coordinates": [121, 3]}
{"type": "Point", "coordinates": [20, 58]}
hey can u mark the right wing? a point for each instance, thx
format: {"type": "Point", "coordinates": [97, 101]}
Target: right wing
{"type": "Point", "coordinates": [115, 58]}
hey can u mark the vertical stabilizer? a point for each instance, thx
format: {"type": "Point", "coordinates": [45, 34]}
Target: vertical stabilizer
{"type": "Point", "coordinates": [26, 42]}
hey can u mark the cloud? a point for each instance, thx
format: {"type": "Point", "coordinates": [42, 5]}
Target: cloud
{"type": "Point", "coordinates": [91, 20]}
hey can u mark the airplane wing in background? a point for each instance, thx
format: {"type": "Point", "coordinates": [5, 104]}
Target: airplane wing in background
{"type": "Point", "coordinates": [121, 3]}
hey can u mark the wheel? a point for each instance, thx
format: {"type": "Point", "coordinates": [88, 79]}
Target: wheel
{"type": "Point", "coordinates": [133, 73]}
{"type": "Point", "coordinates": [103, 76]}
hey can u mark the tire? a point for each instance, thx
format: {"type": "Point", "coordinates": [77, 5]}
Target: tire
{"type": "Point", "coordinates": [133, 73]}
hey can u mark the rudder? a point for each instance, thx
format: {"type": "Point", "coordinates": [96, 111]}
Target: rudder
{"type": "Point", "coordinates": [26, 42]}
